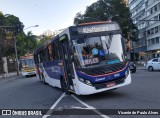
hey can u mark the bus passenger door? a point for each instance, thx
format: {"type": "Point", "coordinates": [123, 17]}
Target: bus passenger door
{"type": "Point", "coordinates": [67, 61]}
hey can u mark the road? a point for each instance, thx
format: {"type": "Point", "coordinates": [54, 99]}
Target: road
{"type": "Point", "coordinates": [30, 93]}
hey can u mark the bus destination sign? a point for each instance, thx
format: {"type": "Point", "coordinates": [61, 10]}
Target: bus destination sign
{"type": "Point", "coordinates": [96, 28]}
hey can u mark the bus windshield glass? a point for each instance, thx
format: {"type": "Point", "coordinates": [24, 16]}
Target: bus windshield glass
{"type": "Point", "coordinates": [98, 51]}
{"type": "Point", "coordinates": [27, 63]}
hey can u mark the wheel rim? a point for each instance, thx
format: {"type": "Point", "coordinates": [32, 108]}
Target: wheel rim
{"type": "Point", "coordinates": [150, 69]}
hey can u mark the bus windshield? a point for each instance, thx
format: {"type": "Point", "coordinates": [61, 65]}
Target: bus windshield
{"type": "Point", "coordinates": [27, 63]}
{"type": "Point", "coordinates": [98, 51]}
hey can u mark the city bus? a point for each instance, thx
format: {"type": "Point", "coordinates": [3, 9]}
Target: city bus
{"type": "Point", "coordinates": [27, 65]}
{"type": "Point", "coordinates": [84, 59]}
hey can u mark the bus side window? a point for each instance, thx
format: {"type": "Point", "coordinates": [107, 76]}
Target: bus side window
{"type": "Point", "coordinates": [43, 55]}
{"type": "Point", "coordinates": [59, 51]}
{"type": "Point", "coordinates": [35, 58]}
{"type": "Point", "coordinates": [51, 52]}
{"type": "Point", "coordinates": [56, 50]}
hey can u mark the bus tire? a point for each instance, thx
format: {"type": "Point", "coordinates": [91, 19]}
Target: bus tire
{"type": "Point", "coordinates": [64, 86]}
{"type": "Point", "coordinates": [43, 79]}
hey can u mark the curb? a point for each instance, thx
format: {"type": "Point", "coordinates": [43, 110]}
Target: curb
{"type": "Point", "coordinates": [14, 77]}
{"type": "Point", "coordinates": [11, 77]}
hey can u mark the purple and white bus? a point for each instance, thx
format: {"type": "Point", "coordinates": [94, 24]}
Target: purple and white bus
{"type": "Point", "coordinates": [84, 59]}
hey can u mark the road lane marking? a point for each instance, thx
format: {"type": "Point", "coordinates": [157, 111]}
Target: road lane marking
{"type": "Point", "coordinates": [90, 107]}
{"type": "Point", "coordinates": [54, 105]}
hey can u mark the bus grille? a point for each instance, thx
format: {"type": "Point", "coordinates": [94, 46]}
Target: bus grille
{"type": "Point", "coordinates": [104, 85]}
{"type": "Point", "coordinates": [105, 69]}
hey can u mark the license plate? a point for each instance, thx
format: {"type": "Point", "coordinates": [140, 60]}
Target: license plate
{"type": "Point", "coordinates": [110, 84]}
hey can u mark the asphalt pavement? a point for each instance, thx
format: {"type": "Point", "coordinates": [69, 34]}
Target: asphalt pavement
{"type": "Point", "coordinates": [30, 93]}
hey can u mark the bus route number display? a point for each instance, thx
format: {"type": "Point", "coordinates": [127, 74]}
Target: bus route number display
{"type": "Point", "coordinates": [91, 61]}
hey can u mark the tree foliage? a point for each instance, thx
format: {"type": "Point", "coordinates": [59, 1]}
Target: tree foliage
{"type": "Point", "coordinates": [104, 10]}
{"type": "Point", "coordinates": [43, 39]}
{"type": "Point", "coordinates": [14, 28]}
{"type": "Point", "coordinates": [26, 43]}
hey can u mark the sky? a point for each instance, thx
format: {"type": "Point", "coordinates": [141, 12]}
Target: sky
{"type": "Point", "coordinates": [48, 14]}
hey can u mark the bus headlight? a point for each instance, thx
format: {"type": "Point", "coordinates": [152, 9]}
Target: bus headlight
{"type": "Point", "coordinates": [81, 79]}
{"type": "Point", "coordinates": [127, 72]}
{"type": "Point", "coordinates": [88, 82]}
{"type": "Point", "coordinates": [85, 81]}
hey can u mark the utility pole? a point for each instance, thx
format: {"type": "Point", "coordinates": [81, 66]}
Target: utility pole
{"type": "Point", "coordinates": [15, 45]}
{"type": "Point", "coordinates": [16, 55]}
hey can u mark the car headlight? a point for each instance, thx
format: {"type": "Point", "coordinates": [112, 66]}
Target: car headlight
{"type": "Point", "coordinates": [85, 81]}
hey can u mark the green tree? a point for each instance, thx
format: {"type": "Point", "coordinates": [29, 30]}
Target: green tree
{"type": "Point", "coordinates": [43, 39]}
{"type": "Point", "coordinates": [26, 43]}
{"type": "Point", "coordinates": [21, 44]}
{"type": "Point", "coordinates": [31, 42]}
{"type": "Point", "coordinates": [13, 27]}
{"type": "Point", "coordinates": [103, 10]}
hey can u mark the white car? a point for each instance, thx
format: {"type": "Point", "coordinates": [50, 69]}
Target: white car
{"type": "Point", "coordinates": [153, 64]}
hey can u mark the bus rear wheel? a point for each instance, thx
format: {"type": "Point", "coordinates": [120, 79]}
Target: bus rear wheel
{"type": "Point", "coordinates": [43, 79]}
{"type": "Point", "coordinates": [64, 86]}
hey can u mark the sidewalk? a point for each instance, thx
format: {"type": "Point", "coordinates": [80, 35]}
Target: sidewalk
{"type": "Point", "coordinates": [10, 75]}
{"type": "Point", "coordinates": [8, 79]}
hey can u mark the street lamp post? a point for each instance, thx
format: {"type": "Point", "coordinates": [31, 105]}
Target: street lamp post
{"type": "Point", "coordinates": [28, 40]}
{"type": "Point", "coordinates": [31, 26]}
{"type": "Point", "coordinates": [16, 55]}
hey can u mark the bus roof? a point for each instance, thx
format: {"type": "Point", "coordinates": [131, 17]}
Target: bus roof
{"type": "Point", "coordinates": [74, 26]}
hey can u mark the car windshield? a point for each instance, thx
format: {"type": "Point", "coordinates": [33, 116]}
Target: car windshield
{"type": "Point", "coordinates": [98, 51]}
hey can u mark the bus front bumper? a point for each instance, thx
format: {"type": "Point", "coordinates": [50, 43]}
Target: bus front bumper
{"type": "Point", "coordinates": [84, 89]}
{"type": "Point", "coordinates": [28, 73]}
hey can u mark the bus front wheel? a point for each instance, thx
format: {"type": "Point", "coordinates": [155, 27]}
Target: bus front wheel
{"type": "Point", "coordinates": [64, 86]}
